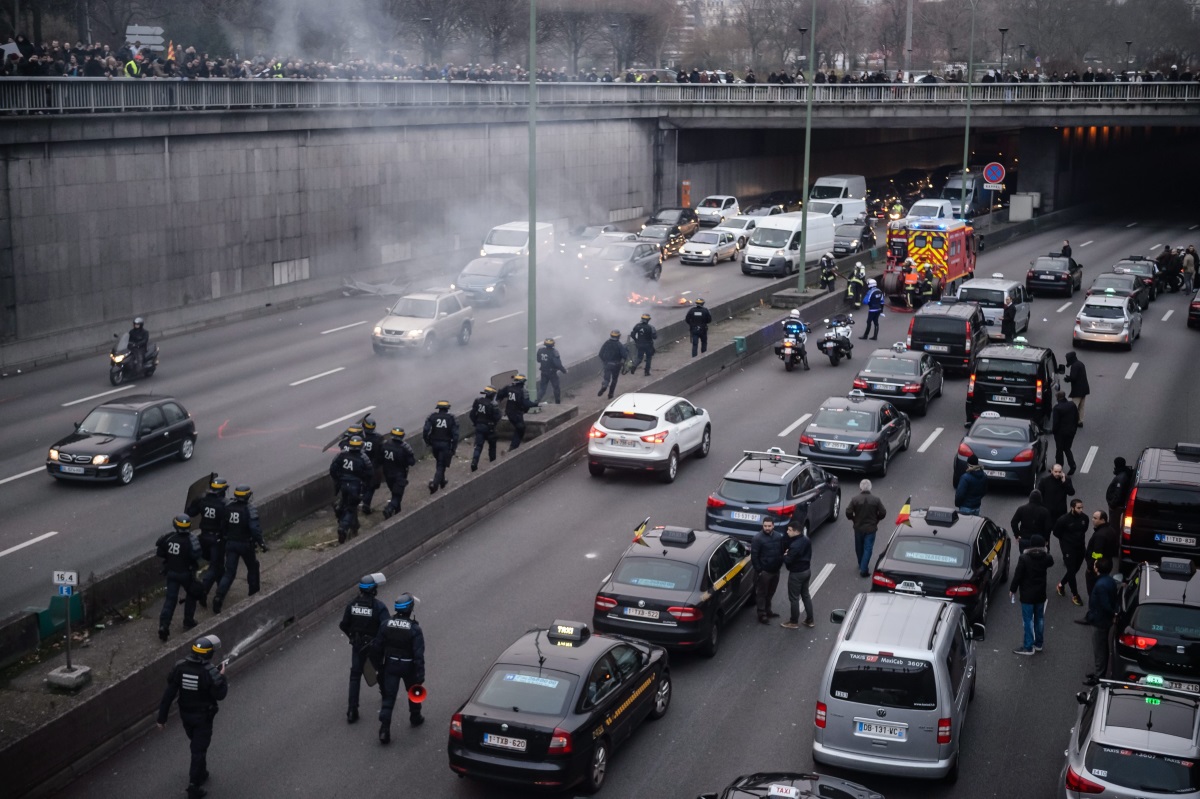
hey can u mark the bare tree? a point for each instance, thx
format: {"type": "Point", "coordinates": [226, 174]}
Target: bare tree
{"type": "Point", "coordinates": [758, 21]}
{"type": "Point", "coordinates": [844, 29]}
{"type": "Point", "coordinates": [497, 24]}
{"type": "Point", "coordinates": [435, 24]}
{"type": "Point", "coordinates": [887, 22]}
{"type": "Point", "coordinates": [572, 26]}
{"type": "Point", "coordinates": [634, 29]}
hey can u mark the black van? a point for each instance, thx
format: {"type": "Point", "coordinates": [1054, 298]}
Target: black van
{"type": "Point", "coordinates": [1015, 379]}
{"type": "Point", "coordinates": [952, 332]}
{"type": "Point", "coordinates": [1162, 516]}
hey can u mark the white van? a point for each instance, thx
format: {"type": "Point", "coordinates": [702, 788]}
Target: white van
{"type": "Point", "coordinates": [833, 187]}
{"type": "Point", "coordinates": [842, 210]}
{"type": "Point", "coordinates": [977, 202]}
{"type": "Point", "coordinates": [931, 208]}
{"type": "Point", "coordinates": [513, 237]}
{"type": "Point", "coordinates": [774, 246]}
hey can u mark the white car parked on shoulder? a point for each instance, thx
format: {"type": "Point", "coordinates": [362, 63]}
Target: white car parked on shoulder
{"type": "Point", "coordinates": [648, 433]}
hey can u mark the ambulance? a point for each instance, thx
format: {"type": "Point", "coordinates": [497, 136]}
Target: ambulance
{"type": "Point", "coordinates": [947, 246]}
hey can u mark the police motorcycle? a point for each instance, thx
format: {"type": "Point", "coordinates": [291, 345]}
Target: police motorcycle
{"type": "Point", "coordinates": [828, 272]}
{"type": "Point", "coordinates": [836, 342]}
{"type": "Point", "coordinates": [791, 350]}
{"type": "Point", "coordinates": [123, 365]}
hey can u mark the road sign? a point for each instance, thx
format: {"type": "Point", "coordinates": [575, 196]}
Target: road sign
{"type": "Point", "coordinates": [66, 578]}
{"type": "Point", "coordinates": [993, 187]}
{"type": "Point", "coordinates": [146, 41]}
{"type": "Point", "coordinates": [142, 30]}
{"type": "Point", "coordinates": [994, 172]}
{"type": "Point", "coordinates": [64, 590]}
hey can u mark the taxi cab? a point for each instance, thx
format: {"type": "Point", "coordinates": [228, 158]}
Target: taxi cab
{"type": "Point", "coordinates": [1156, 637]}
{"type": "Point", "coordinates": [676, 587]}
{"type": "Point", "coordinates": [792, 785]}
{"type": "Point", "coordinates": [908, 379]}
{"type": "Point", "coordinates": [1011, 450]}
{"type": "Point", "coordinates": [553, 707]}
{"type": "Point", "coordinates": [1108, 319]}
{"type": "Point", "coordinates": [856, 433]}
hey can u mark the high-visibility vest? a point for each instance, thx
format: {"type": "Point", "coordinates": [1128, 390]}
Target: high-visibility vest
{"type": "Point", "coordinates": [132, 69]}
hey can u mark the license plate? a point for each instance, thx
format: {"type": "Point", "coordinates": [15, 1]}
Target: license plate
{"type": "Point", "coordinates": [391, 339]}
{"type": "Point", "coordinates": [873, 730]}
{"type": "Point", "coordinates": [1174, 685]}
{"type": "Point", "coordinates": [71, 469]}
{"type": "Point", "coordinates": [994, 473]}
{"type": "Point", "coordinates": [739, 516]}
{"type": "Point", "coordinates": [1004, 398]}
{"type": "Point", "coordinates": [504, 742]}
{"type": "Point", "coordinates": [937, 347]}
{"type": "Point", "coordinates": [755, 266]}
{"type": "Point", "coordinates": [838, 445]}
{"type": "Point", "coordinates": [621, 442]}
{"type": "Point", "coordinates": [641, 614]}
{"type": "Point", "coordinates": [1181, 540]}
{"type": "Point", "coordinates": [883, 387]}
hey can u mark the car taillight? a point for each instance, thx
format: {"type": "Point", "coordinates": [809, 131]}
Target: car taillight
{"type": "Point", "coordinates": [807, 441]}
{"type": "Point", "coordinates": [1029, 273]}
{"type": "Point", "coordinates": [821, 711]}
{"type": "Point", "coordinates": [1147, 281]}
{"type": "Point", "coordinates": [456, 726]}
{"type": "Point", "coordinates": [1080, 784]}
{"type": "Point", "coordinates": [1127, 517]}
{"type": "Point", "coordinates": [1135, 641]}
{"type": "Point", "coordinates": [943, 731]}
{"type": "Point", "coordinates": [596, 433]}
{"type": "Point", "coordinates": [971, 386]}
{"type": "Point", "coordinates": [911, 388]}
{"type": "Point", "coordinates": [605, 602]}
{"type": "Point", "coordinates": [1039, 391]}
{"type": "Point", "coordinates": [867, 445]}
{"type": "Point", "coordinates": [968, 338]}
{"type": "Point", "coordinates": [560, 742]}
{"type": "Point", "coordinates": [860, 383]}
{"type": "Point", "coordinates": [713, 502]}
{"type": "Point", "coordinates": [686, 613]}
{"type": "Point", "coordinates": [1024, 456]}
{"type": "Point", "coordinates": [782, 510]}
{"type": "Point", "coordinates": [882, 580]}
{"type": "Point", "coordinates": [964, 450]}
{"type": "Point", "coordinates": [908, 338]}
{"type": "Point", "coordinates": [966, 589]}
{"type": "Point", "coordinates": [656, 438]}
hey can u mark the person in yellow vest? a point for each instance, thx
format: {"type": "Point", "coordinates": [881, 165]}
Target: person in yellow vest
{"type": "Point", "coordinates": [133, 67]}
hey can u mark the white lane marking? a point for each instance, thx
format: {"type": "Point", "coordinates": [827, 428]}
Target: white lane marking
{"type": "Point", "coordinates": [937, 431]}
{"type": "Point", "coordinates": [30, 542]}
{"type": "Point", "coordinates": [1063, 307]}
{"type": "Point", "coordinates": [343, 327]}
{"type": "Point", "coordinates": [502, 318]}
{"type": "Point", "coordinates": [1155, 246]}
{"type": "Point", "coordinates": [315, 377]}
{"type": "Point", "coordinates": [1167, 315]}
{"type": "Point", "coordinates": [359, 412]}
{"type": "Point", "coordinates": [1132, 224]}
{"type": "Point", "coordinates": [788, 430]}
{"type": "Point", "coordinates": [22, 474]}
{"type": "Point", "coordinates": [819, 580]}
{"type": "Point", "coordinates": [1132, 368]}
{"type": "Point", "coordinates": [1086, 243]}
{"type": "Point", "coordinates": [1193, 227]}
{"type": "Point", "coordinates": [1091, 456]}
{"type": "Point", "coordinates": [98, 396]}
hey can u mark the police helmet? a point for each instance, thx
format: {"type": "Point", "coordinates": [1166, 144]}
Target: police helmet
{"type": "Point", "coordinates": [700, 301]}
{"type": "Point", "coordinates": [205, 646]}
{"type": "Point", "coordinates": [794, 313]}
{"type": "Point", "coordinates": [370, 582]}
{"type": "Point", "coordinates": [859, 265]}
{"type": "Point", "coordinates": [219, 485]}
{"type": "Point", "coordinates": [489, 390]}
{"type": "Point", "coordinates": [397, 432]}
{"type": "Point", "coordinates": [443, 405]}
{"type": "Point", "coordinates": [828, 255]}
{"type": "Point", "coordinates": [368, 423]}
{"type": "Point", "coordinates": [355, 442]}
{"type": "Point", "coordinates": [871, 283]}
{"type": "Point", "coordinates": [139, 322]}
{"type": "Point", "coordinates": [519, 378]}
{"type": "Point", "coordinates": [182, 522]}
{"type": "Point", "coordinates": [614, 334]}
{"type": "Point", "coordinates": [405, 603]}
{"type": "Point", "coordinates": [242, 492]}
{"type": "Point", "coordinates": [549, 342]}
{"type": "Point", "coordinates": [645, 317]}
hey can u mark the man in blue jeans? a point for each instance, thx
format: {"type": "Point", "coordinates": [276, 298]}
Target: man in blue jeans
{"type": "Point", "coordinates": [865, 512]}
{"type": "Point", "coordinates": [1029, 580]}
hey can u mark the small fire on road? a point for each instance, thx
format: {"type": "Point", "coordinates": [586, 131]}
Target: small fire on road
{"type": "Point", "coordinates": [668, 301]}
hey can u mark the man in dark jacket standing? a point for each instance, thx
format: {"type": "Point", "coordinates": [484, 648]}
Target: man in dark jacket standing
{"type": "Point", "coordinates": [1117, 493]}
{"type": "Point", "coordinates": [1055, 488]}
{"type": "Point", "coordinates": [798, 560]}
{"type": "Point", "coordinates": [971, 488]}
{"type": "Point", "coordinates": [1030, 521]}
{"type": "Point", "coordinates": [1029, 580]}
{"type": "Point", "coordinates": [612, 354]}
{"type": "Point", "coordinates": [643, 335]}
{"type": "Point", "coordinates": [1102, 610]}
{"type": "Point", "coordinates": [1071, 531]}
{"type": "Point", "coordinates": [1103, 543]}
{"type": "Point", "coordinates": [1077, 377]}
{"type": "Point", "coordinates": [865, 512]}
{"type": "Point", "coordinates": [1064, 423]}
{"type": "Point", "coordinates": [1008, 321]}
{"type": "Point", "coordinates": [766, 556]}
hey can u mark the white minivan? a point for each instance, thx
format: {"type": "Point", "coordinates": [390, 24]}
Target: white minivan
{"type": "Point", "coordinates": [842, 211]}
{"type": "Point", "coordinates": [513, 238]}
{"type": "Point", "coordinates": [839, 187]}
{"type": "Point", "coordinates": [774, 246]}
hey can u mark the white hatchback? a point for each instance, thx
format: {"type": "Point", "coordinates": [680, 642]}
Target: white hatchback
{"type": "Point", "coordinates": [649, 433]}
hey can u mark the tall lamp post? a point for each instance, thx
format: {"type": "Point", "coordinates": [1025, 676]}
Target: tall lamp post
{"type": "Point", "coordinates": [808, 104]}
{"type": "Point", "coordinates": [962, 208]}
{"type": "Point", "coordinates": [1128, 44]}
{"type": "Point", "coordinates": [616, 32]}
{"type": "Point", "coordinates": [1003, 33]}
{"type": "Point", "coordinates": [428, 23]}
{"type": "Point", "coordinates": [1021, 64]}
{"type": "Point", "coordinates": [802, 32]}
{"type": "Point", "coordinates": [531, 313]}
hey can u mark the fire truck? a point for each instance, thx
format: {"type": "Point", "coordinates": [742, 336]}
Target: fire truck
{"type": "Point", "coordinates": [947, 246]}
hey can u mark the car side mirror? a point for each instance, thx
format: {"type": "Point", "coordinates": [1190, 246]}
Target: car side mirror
{"type": "Point", "coordinates": [387, 309]}
{"type": "Point", "coordinates": [978, 632]}
{"type": "Point", "coordinates": [837, 616]}
{"type": "Point", "coordinates": [1082, 697]}
{"type": "Point", "coordinates": [77, 425]}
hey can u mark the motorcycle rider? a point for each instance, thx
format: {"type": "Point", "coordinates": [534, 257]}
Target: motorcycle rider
{"type": "Point", "coordinates": [698, 318]}
{"type": "Point", "coordinates": [828, 272]}
{"type": "Point", "coordinates": [517, 404]}
{"type": "Point", "coordinates": [398, 458]}
{"type": "Point", "coordinates": [139, 339]}
{"type": "Point", "coordinates": [874, 303]}
{"type": "Point", "coordinates": [210, 510]}
{"type": "Point", "coordinates": [485, 415]}
{"type": "Point", "coordinates": [372, 448]}
{"type": "Point", "coordinates": [897, 210]}
{"type": "Point", "coordinates": [794, 328]}
{"type": "Point", "coordinates": [643, 335]}
{"type": "Point", "coordinates": [350, 470]}
{"type": "Point", "coordinates": [441, 436]}
{"type": "Point", "coordinates": [612, 354]}
{"type": "Point", "coordinates": [856, 284]}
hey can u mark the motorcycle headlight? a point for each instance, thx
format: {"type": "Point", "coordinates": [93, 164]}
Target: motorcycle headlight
{"type": "Point", "coordinates": [452, 286]}
{"type": "Point", "coordinates": [53, 455]}
{"type": "Point", "coordinates": [488, 289]}
{"type": "Point", "coordinates": [378, 331]}
{"type": "Point", "coordinates": [99, 460]}
{"type": "Point", "coordinates": [118, 358]}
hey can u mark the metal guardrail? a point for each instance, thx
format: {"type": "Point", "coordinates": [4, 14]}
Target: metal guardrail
{"type": "Point", "coordinates": [96, 95]}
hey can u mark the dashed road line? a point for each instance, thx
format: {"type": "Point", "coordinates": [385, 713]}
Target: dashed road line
{"type": "Point", "coordinates": [358, 413]}
{"type": "Point", "coordinates": [1086, 243]}
{"type": "Point", "coordinates": [932, 436]}
{"type": "Point", "coordinates": [22, 474]}
{"type": "Point", "coordinates": [1193, 227]}
{"type": "Point", "coordinates": [1132, 224]}
{"type": "Point", "coordinates": [317, 377]}
{"type": "Point", "coordinates": [343, 327]}
{"type": "Point", "coordinates": [819, 580]}
{"type": "Point", "coordinates": [1087, 462]}
{"type": "Point", "coordinates": [1063, 307]}
{"type": "Point", "coordinates": [791, 427]}
{"type": "Point", "coordinates": [98, 396]}
{"type": "Point", "coordinates": [1132, 368]}
{"type": "Point", "coordinates": [1167, 315]}
{"type": "Point", "coordinates": [502, 318]}
{"type": "Point", "coordinates": [1155, 246]}
{"type": "Point", "coordinates": [42, 537]}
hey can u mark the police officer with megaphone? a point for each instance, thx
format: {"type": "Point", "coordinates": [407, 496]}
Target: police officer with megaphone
{"type": "Point", "coordinates": [401, 645]}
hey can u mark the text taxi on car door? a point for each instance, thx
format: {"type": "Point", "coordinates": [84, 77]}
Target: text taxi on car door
{"type": "Point", "coordinates": [554, 705]}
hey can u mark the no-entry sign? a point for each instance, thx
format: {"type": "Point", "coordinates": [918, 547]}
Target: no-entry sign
{"type": "Point", "coordinates": [994, 172]}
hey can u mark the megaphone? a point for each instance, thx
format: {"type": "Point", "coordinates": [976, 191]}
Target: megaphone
{"type": "Point", "coordinates": [416, 694]}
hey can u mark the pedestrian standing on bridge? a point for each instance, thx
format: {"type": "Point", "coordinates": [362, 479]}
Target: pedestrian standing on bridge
{"type": "Point", "coordinates": [199, 686]}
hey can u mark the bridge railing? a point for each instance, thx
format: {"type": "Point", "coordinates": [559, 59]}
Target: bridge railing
{"type": "Point", "coordinates": [102, 95]}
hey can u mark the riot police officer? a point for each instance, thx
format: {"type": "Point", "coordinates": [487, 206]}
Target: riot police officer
{"type": "Point", "coordinates": [398, 458]}
{"type": "Point", "coordinates": [441, 435]}
{"type": "Point", "coordinates": [372, 449]}
{"type": "Point", "coordinates": [517, 403]}
{"type": "Point", "coordinates": [350, 432]}
{"type": "Point", "coordinates": [485, 415]}
{"type": "Point", "coordinates": [643, 335]}
{"type": "Point", "coordinates": [210, 510]}
{"type": "Point", "coordinates": [360, 622]}
{"type": "Point", "coordinates": [549, 365]}
{"type": "Point", "coordinates": [199, 686]}
{"type": "Point", "coordinates": [698, 318]}
{"type": "Point", "coordinates": [242, 534]}
{"type": "Point", "coordinates": [180, 554]}
{"type": "Point", "coordinates": [350, 471]}
{"type": "Point", "coordinates": [612, 354]}
{"type": "Point", "coordinates": [400, 645]}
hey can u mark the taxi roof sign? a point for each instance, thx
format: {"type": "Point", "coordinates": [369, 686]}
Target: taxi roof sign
{"type": "Point", "coordinates": [573, 631]}
{"type": "Point", "coordinates": [989, 415]}
{"type": "Point", "coordinates": [677, 536]}
{"type": "Point", "coordinates": [1178, 566]}
{"type": "Point", "coordinates": [856, 395]}
{"type": "Point", "coordinates": [899, 346]}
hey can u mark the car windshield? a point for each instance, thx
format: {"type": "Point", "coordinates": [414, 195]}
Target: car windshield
{"type": "Point", "coordinates": [1179, 621]}
{"type": "Point", "coordinates": [527, 689]}
{"type": "Point", "coordinates": [925, 209]}
{"type": "Point", "coordinates": [1002, 366]}
{"type": "Point", "coordinates": [706, 238]}
{"type": "Point", "coordinates": [1051, 264]}
{"type": "Point", "coordinates": [507, 238]}
{"type": "Point", "coordinates": [608, 238]}
{"type": "Point", "coordinates": [655, 231]}
{"type": "Point", "coordinates": [1102, 311]}
{"type": "Point", "coordinates": [591, 231]}
{"type": "Point", "coordinates": [667, 217]}
{"type": "Point", "coordinates": [847, 231]}
{"type": "Point", "coordinates": [712, 202]}
{"type": "Point", "coordinates": [1120, 283]}
{"type": "Point", "coordinates": [414, 307]}
{"type": "Point", "coordinates": [1136, 267]}
{"type": "Point", "coordinates": [1141, 771]}
{"type": "Point", "coordinates": [884, 680]}
{"type": "Point", "coordinates": [107, 422]}
{"type": "Point", "coordinates": [1000, 431]}
{"type": "Point", "coordinates": [616, 252]}
{"type": "Point", "coordinates": [736, 224]}
{"type": "Point", "coordinates": [930, 550]}
{"type": "Point", "coordinates": [770, 237]}
{"type": "Point", "coordinates": [656, 573]}
{"type": "Point", "coordinates": [488, 267]}
{"type": "Point", "coordinates": [761, 210]}
{"type": "Point", "coordinates": [822, 207]}
{"type": "Point", "coordinates": [848, 420]}
{"type": "Point", "coordinates": [824, 192]}
{"type": "Point", "coordinates": [883, 365]}
{"type": "Point", "coordinates": [987, 298]}
{"type": "Point", "coordinates": [748, 492]}
{"type": "Point", "coordinates": [628, 422]}
{"type": "Point", "coordinates": [938, 325]}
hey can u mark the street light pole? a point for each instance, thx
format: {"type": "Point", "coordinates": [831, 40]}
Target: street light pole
{"type": "Point", "coordinates": [802, 32]}
{"type": "Point", "coordinates": [428, 35]}
{"type": "Point", "coordinates": [1021, 65]}
{"type": "Point", "coordinates": [808, 104]}
{"type": "Point", "coordinates": [908, 41]}
{"type": "Point", "coordinates": [1003, 33]}
{"type": "Point", "coordinates": [616, 49]}
{"type": "Point", "coordinates": [962, 208]}
{"type": "Point", "coordinates": [531, 313]}
{"type": "Point", "coordinates": [1128, 44]}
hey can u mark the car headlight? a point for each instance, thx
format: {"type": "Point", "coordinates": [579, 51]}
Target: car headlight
{"type": "Point", "coordinates": [378, 331]}
{"type": "Point", "coordinates": [854, 243]}
{"type": "Point", "coordinates": [488, 289]}
{"type": "Point", "coordinates": [706, 252]}
{"type": "Point", "coordinates": [118, 358]}
{"type": "Point", "coordinates": [482, 252]}
{"type": "Point", "coordinates": [53, 455]}
{"type": "Point", "coordinates": [99, 460]}
{"type": "Point", "coordinates": [452, 286]}
{"type": "Point", "coordinates": [580, 256]}
{"type": "Point", "coordinates": [414, 333]}
{"type": "Point", "coordinates": [780, 252]}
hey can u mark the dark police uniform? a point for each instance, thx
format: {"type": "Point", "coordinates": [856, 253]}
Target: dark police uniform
{"type": "Point", "coordinates": [372, 448]}
{"type": "Point", "coordinates": [242, 534]}
{"type": "Point", "coordinates": [698, 319]}
{"type": "Point", "coordinates": [398, 458]}
{"type": "Point", "coordinates": [180, 553]}
{"type": "Point", "coordinates": [199, 685]}
{"type": "Point", "coordinates": [643, 335]}
{"type": "Point", "coordinates": [350, 470]}
{"type": "Point", "coordinates": [612, 354]}
{"type": "Point", "coordinates": [360, 623]}
{"type": "Point", "coordinates": [549, 365]}
{"type": "Point", "coordinates": [485, 415]}
{"type": "Point", "coordinates": [210, 510]}
{"type": "Point", "coordinates": [401, 646]}
{"type": "Point", "coordinates": [441, 434]}
{"type": "Point", "coordinates": [517, 404]}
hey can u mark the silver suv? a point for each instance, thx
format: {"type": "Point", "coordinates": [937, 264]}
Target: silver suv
{"type": "Point", "coordinates": [424, 320]}
{"type": "Point", "coordinates": [893, 698]}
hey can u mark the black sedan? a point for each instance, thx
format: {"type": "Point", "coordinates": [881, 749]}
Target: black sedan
{"type": "Point", "coordinates": [1054, 273]}
{"type": "Point", "coordinates": [1145, 269]}
{"type": "Point", "coordinates": [488, 280]}
{"type": "Point", "coordinates": [669, 239]}
{"type": "Point", "coordinates": [1157, 629]}
{"type": "Point", "coordinates": [678, 591]}
{"type": "Point", "coordinates": [763, 209]}
{"type": "Point", "coordinates": [1121, 285]}
{"type": "Point", "coordinates": [1011, 451]}
{"type": "Point", "coordinates": [909, 379]}
{"type": "Point", "coordinates": [948, 556]}
{"type": "Point", "coordinates": [553, 707]}
{"type": "Point", "coordinates": [792, 784]}
{"type": "Point", "coordinates": [122, 436]}
{"type": "Point", "coordinates": [856, 433]}
{"type": "Point", "coordinates": [629, 259]}
{"type": "Point", "coordinates": [852, 238]}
